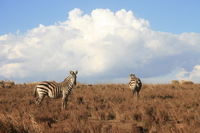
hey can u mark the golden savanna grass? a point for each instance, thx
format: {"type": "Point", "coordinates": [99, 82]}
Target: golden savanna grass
{"type": "Point", "coordinates": [103, 108]}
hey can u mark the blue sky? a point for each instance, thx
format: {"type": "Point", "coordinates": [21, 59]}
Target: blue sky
{"type": "Point", "coordinates": [104, 40]}
{"type": "Point", "coordinates": [174, 16]}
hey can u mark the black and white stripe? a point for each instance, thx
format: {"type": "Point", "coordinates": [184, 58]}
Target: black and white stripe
{"type": "Point", "coordinates": [135, 85]}
{"type": "Point", "coordinates": [56, 90]}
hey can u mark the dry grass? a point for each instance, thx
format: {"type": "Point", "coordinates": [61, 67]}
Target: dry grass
{"type": "Point", "coordinates": [103, 108]}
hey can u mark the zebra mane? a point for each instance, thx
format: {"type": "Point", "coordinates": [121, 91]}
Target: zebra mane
{"type": "Point", "coordinates": [66, 81]}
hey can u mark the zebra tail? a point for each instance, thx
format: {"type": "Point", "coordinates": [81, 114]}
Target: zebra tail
{"type": "Point", "coordinates": [35, 89]}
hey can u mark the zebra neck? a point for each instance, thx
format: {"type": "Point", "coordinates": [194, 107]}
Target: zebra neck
{"type": "Point", "coordinates": [71, 85]}
{"type": "Point", "coordinates": [67, 83]}
{"type": "Point", "coordinates": [64, 84]}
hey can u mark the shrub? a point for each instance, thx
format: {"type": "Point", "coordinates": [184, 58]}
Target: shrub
{"type": "Point", "coordinates": [175, 82]}
{"type": "Point", "coordinates": [185, 82]}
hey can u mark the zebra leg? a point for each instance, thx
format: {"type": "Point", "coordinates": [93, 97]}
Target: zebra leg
{"type": "Point", "coordinates": [138, 95]}
{"type": "Point", "coordinates": [133, 91]}
{"type": "Point", "coordinates": [39, 100]}
{"type": "Point", "coordinates": [64, 101]}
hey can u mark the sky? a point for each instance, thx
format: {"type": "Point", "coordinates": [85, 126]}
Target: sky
{"type": "Point", "coordinates": [105, 41]}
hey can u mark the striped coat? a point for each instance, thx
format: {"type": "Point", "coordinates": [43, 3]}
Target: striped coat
{"type": "Point", "coordinates": [56, 90]}
{"type": "Point", "coordinates": [135, 85]}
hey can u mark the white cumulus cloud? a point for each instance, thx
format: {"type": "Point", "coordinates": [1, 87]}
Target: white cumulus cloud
{"type": "Point", "coordinates": [101, 45]}
{"type": "Point", "coordinates": [193, 75]}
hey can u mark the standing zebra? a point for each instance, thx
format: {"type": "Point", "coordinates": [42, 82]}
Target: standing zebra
{"type": "Point", "coordinates": [56, 90]}
{"type": "Point", "coordinates": [135, 85]}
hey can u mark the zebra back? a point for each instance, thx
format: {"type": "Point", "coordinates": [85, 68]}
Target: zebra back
{"type": "Point", "coordinates": [134, 82]}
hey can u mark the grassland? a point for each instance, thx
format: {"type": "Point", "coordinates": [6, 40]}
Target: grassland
{"type": "Point", "coordinates": [103, 108]}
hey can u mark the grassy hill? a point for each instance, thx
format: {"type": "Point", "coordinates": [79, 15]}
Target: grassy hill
{"type": "Point", "coordinates": [103, 108]}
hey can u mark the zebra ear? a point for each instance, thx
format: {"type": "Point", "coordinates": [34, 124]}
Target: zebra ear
{"type": "Point", "coordinates": [132, 75]}
{"type": "Point", "coordinates": [76, 72]}
{"type": "Point", "coordinates": [71, 72]}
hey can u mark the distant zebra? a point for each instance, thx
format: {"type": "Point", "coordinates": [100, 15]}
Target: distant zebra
{"type": "Point", "coordinates": [135, 85]}
{"type": "Point", "coordinates": [56, 90]}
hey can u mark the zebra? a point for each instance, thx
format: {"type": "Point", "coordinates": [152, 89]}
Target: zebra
{"type": "Point", "coordinates": [135, 85]}
{"type": "Point", "coordinates": [56, 90]}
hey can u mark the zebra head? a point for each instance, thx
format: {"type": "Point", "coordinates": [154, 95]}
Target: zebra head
{"type": "Point", "coordinates": [132, 76]}
{"type": "Point", "coordinates": [73, 77]}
